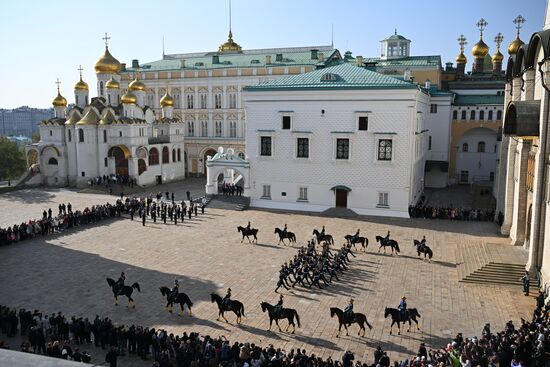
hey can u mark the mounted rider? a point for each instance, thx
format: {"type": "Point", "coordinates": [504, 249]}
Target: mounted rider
{"type": "Point", "coordinates": [403, 308]}
{"type": "Point", "coordinates": [284, 232]}
{"type": "Point", "coordinates": [422, 242]}
{"type": "Point", "coordinates": [119, 285]}
{"type": "Point", "coordinates": [247, 228]}
{"type": "Point", "coordinates": [387, 238]}
{"type": "Point", "coordinates": [322, 233]}
{"type": "Point", "coordinates": [355, 237]}
{"type": "Point", "coordinates": [175, 290]}
{"type": "Point", "coordinates": [349, 316]}
{"type": "Point", "coordinates": [226, 301]}
{"type": "Point", "coordinates": [278, 310]}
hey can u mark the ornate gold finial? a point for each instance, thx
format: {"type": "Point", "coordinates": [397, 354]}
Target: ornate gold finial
{"type": "Point", "coordinates": [58, 83]}
{"type": "Point", "coordinates": [80, 70]}
{"type": "Point", "coordinates": [59, 100]}
{"type": "Point", "coordinates": [481, 25]}
{"type": "Point", "coordinates": [514, 46]}
{"type": "Point", "coordinates": [106, 39]}
{"type": "Point", "coordinates": [461, 58]}
{"type": "Point", "coordinates": [80, 85]}
{"type": "Point", "coordinates": [230, 45]}
{"type": "Point", "coordinates": [518, 21]}
{"type": "Point", "coordinates": [498, 40]}
{"type": "Point", "coordinates": [497, 56]}
{"type": "Point", "coordinates": [480, 49]}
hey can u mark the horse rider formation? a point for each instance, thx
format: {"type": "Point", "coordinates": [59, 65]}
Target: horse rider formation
{"type": "Point", "coordinates": [309, 267]}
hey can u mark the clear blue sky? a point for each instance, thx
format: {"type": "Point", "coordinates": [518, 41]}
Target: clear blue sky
{"type": "Point", "coordinates": [42, 40]}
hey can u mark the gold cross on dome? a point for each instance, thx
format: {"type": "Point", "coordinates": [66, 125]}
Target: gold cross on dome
{"type": "Point", "coordinates": [80, 70]}
{"type": "Point", "coordinates": [518, 21]}
{"type": "Point", "coordinates": [57, 82]}
{"type": "Point", "coordinates": [498, 40]}
{"type": "Point", "coordinates": [481, 25]}
{"type": "Point", "coordinates": [462, 42]}
{"type": "Point", "coordinates": [106, 39]}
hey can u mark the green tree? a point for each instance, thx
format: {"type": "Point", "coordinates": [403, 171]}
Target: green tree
{"type": "Point", "coordinates": [35, 137]}
{"type": "Point", "coordinates": [12, 160]}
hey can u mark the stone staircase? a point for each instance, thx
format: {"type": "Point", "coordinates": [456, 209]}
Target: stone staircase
{"type": "Point", "coordinates": [490, 263]}
{"type": "Point", "coordinates": [238, 203]}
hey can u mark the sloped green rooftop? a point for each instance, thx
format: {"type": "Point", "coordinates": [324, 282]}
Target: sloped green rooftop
{"type": "Point", "coordinates": [409, 62]}
{"type": "Point", "coordinates": [343, 76]}
{"type": "Point", "coordinates": [293, 56]}
{"type": "Point", "coordinates": [477, 99]}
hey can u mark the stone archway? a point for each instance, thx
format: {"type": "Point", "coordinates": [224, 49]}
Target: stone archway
{"type": "Point", "coordinates": [121, 154]}
{"type": "Point", "coordinates": [208, 152]}
{"type": "Point", "coordinates": [233, 169]}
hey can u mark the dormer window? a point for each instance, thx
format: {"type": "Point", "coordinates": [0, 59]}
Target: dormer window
{"type": "Point", "coordinates": [329, 77]}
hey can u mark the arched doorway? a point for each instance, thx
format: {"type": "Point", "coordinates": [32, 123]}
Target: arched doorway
{"type": "Point", "coordinates": [121, 155]}
{"type": "Point", "coordinates": [209, 152]}
{"type": "Point", "coordinates": [231, 176]}
{"type": "Point", "coordinates": [142, 167]}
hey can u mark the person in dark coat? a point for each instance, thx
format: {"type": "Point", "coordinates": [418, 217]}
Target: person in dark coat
{"type": "Point", "coordinates": [111, 357]}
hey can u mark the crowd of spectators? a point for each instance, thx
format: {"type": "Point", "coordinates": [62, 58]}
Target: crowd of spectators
{"type": "Point", "coordinates": [451, 213]}
{"type": "Point", "coordinates": [232, 190]}
{"type": "Point", "coordinates": [527, 345]}
{"type": "Point", "coordinates": [108, 181]}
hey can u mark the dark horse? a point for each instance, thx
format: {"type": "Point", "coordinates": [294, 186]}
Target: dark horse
{"type": "Point", "coordinates": [392, 243]}
{"type": "Point", "coordinates": [362, 240]}
{"type": "Point", "coordinates": [235, 306]}
{"type": "Point", "coordinates": [327, 237]}
{"type": "Point", "coordinates": [412, 314]}
{"type": "Point", "coordinates": [248, 232]}
{"type": "Point", "coordinates": [286, 313]}
{"type": "Point", "coordinates": [360, 319]}
{"type": "Point", "coordinates": [423, 249]}
{"type": "Point", "coordinates": [181, 298]}
{"type": "Point", "coordinates": [289, 235]}
{"type": "Point", "coordinates": [125, 291]}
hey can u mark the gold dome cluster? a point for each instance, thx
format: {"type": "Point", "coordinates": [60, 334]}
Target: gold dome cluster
{"type": "Point", "coordinates": [461, 58]}
{"type": "Point", "coordinates": [480, 49]}
{"type": "Point", "coordinates": [81, 85]}
{"type": "Point", "coordinates": [112, 84]}
{"type": "Point", "coordinates": [136, 85]}
{"type": "Point", "coordinates": [514, 46]}
{"type": "Point", "coordinates": [107, 64]}
{"type": "Point", "coordinates": [167, 100]}
{"type": "Point", "coordinates": [59, 101]}
{"type": "Point", "coordinates": [128, 98]}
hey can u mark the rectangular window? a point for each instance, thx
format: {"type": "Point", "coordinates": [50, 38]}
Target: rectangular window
{"type": "Point", "coordinates": [265, 146]}
{"type": "Point", "coordinates": [232, 100]}
{"type": "Point", "coordinates": [80, 136]}
{"type": "Point", "coordinates": [302, 150]}
{"type": "Point", "coordinates": [69, 135]}
{"type": "Point", "coordinates": [430, 142]}
{"type": "Point", "coordinates": [363, 123]}
{"type": "Point", "coordinates": [203, 101]}
{"type": "Point", "coordinates": [190, 101]}
{"type": "Point", "coordinates": [491, 176]}
{"type": "Point", "coordinates": [383, 199]}
{"type": "Point", "coordinates": [218, 129]}
{"type": "Point", "coordinates": [384, 149]}
{"type": "Point", "coordinates": [190, 128]}
{"type": "Point", "coordinates": [266, 191]}
{"type": "Point", "coordinates": [433, 108]}
{"type": "Point", "coordinates": [232, 129]}
{"type": "Point", "coordinates": [83, 174]}
{"type": "Point", "coordinates": [217, 101]}
{"type": "Point", "coordinates": [286, 123]}
{"type": "Point", "coordinates": [464, 176]}
{"type": "Point", "coordinates": [302, 195]}
{"type": "Point", "coordinates": [204, 128]}
{"type": "Point", "coordinates": [342, 148]}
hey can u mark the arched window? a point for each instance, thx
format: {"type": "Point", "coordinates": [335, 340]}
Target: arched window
{"type": "Point", "coordinates": [481, 115]}
{"type": "Point", "coordinates": [165, 155]}
{"type": "Point", "coordinates": [173, 155]}
{"type": "Point", "coordinates": [153, 156]}
{"type": "Point", "coordinates": [52, 161]}
{"type": "Point", "coordinates": [141, 166]}
{"type": "Point", "coordinates": [463, 117]}
{"type": "Point", "coordinates": [472, 115]}
{"type": "Point", "coordinates": [455, 114]}
{"type": "Point", "coordinates": [104, 136]}
{"type": "Point", "coordinates": [101, 88]}
{"type": "Point", "coordinates": [465, 147]}
{"type": "Point", "coordinates": [179, 155]}
{"type": "Point", "coordinates": [499, 115]}
{"type": "Point", "coordinates": [481, 147]}
{"type": "Point", "coordinates": [69, 136]}
{"type": "Point", "coordinates": [490, 115]}
{"type": "Point", "coordinates": [81, 135]}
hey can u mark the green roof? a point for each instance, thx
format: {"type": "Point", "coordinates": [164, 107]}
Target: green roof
{"type": "Point", "coordinates": [343, 76]}
{"type": "Point", "coordinates": [292, 56]}
{"type": "Point", "coordinates": [395, 37]}
{"type": "Point", "coordinates": [408, 62]}
{"type": "Point", "coordinates": [477, 99]}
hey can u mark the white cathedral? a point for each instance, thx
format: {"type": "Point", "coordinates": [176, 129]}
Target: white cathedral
{"type": "Point", "coordinates": [112, 134]}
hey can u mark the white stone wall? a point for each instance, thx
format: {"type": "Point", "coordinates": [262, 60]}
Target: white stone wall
{"type": "Point", "coordinates": [393, 115]}
{"type": "Point", "coordinates": [479, 165]}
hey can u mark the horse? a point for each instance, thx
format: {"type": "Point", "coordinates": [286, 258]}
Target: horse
{"type": "Point", "coordinates": [392, 243]}
{"type": "Point", "coordinates": [248, 232]}
{"type": "Point", "coordinates": [326, 237]}
{"type": "Point", "coordinates": [125, 291]}
{"type": "Point", "coordinates": [412, 314]}
{"type": "Point", "coordinates": [181, 298]}
{"type": "Point", "coordinates": [286, 313]}
{"type": "Point", "coordinates": [289, 235]}
{"type": "Point", "coordinates": [360, 319]}
{"type": "Point", "coordinates": [362, 240]}
{"type": "Point", "coordinates": [424, 249]}
{"type": "Point", "coordinates": [235, 306]}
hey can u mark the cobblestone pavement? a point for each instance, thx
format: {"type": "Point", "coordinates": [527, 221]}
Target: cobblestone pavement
{"type": "Point", "coordinates": [67, 273]}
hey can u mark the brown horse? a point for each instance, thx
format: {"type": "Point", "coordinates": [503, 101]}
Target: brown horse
{"type": "Point", "coordinates": [286, 313]}
{"type": "Point", "coordinates": [360, 319]}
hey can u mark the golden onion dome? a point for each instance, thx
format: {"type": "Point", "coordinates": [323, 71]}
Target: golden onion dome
{"type": "Point", "coordinates": [167, 100]}
{"type": "Point", "coordinates": [480, 49]}
{"type": "Point", "coordinates": [59, 101]}
{"type": "Point", "coordinates": [90, 118]}
{"type": "Point", "coordinates": [461, 58]}
{"type": "Point", "coordinates": [136, 84]}
{"type": "Point", "coordinates": [230, 45]}
{"type": "Point", "coordinates": [73, 119]}
{"type": "Point", "coordinates": [81, 85]}
{"type": "Point", "coordinates": [107, 64]}
{"type": "Point", "coordinates": [498, 57]}
{"type": "Point", "coordinates": [514, 46]}
{"type": "Point", "coordinates": [112, 84]}
{"type": "Point", "coordinates": [129, 97]}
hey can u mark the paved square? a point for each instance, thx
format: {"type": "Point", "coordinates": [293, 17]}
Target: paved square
{"type": "Point", "coordinates": [67, 273]}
